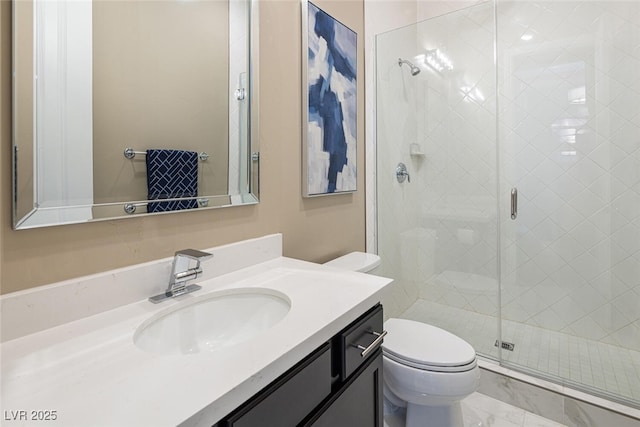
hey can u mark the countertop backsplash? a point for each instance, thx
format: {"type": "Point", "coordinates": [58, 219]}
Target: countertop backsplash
{"type": "Point", "coordinates": [33, 310]}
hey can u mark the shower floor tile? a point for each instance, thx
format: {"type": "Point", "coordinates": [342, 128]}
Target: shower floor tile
{"type": "Point", "coordinates": [611, 369]}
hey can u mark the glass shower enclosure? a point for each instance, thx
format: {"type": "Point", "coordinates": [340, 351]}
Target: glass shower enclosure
{"type": "Point", "coordinates": [518, 229]}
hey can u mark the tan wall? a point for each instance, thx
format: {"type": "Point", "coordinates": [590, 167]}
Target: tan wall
{"type": "Point", "coordinates": [314, 229]}
{"type": "Point", "coordinates": [24, 115]}
{"type": "Point", "coordinates": [160, 77]}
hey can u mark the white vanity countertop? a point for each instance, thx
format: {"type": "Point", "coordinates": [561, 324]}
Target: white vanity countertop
{"type": "Point", "coordinates": [91, 374]}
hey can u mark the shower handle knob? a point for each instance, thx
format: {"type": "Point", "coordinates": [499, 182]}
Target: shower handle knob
{"type": "Point", "coordinates": [402, 174]}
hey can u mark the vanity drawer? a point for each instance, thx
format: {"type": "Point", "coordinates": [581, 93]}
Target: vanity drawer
{"type": "Point", "coordinates": [289, 399]}
{"type": "Point", "coordinates": [359, 341]}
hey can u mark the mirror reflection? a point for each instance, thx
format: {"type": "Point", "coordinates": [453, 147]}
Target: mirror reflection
{"type": "Point", "coordinates": [118, 103]}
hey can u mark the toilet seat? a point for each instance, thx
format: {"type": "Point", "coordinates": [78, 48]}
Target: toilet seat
{"type": "Point", "coordinates": [427, 347]}
{"type": "Point", "coordinates": [427, 367]}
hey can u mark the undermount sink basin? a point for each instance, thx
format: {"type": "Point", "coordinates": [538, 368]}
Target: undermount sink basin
{"type": "Point", "coordinates": [212, 322]}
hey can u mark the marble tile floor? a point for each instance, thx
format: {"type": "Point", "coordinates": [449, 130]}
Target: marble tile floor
{"type": "Point", "coordinates": [479, 410]}
{"type": "Point", "coordinates": [606, 367]}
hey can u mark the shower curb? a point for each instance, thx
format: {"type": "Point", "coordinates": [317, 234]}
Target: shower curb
{"type": "Point", "coordinates": [556, 402]}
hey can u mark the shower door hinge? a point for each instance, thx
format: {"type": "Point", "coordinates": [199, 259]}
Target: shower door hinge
{"type": "Point", "coordinates": [504, 345]}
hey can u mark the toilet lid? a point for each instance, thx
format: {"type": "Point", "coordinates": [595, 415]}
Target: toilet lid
{"type": "Point", "coordinates": [356, 261]}
{"type": "Point", "coordinates": [421, 344]}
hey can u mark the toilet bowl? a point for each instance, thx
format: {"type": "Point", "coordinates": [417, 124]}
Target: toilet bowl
{"type": "Point", "coordinates": [427, 370]}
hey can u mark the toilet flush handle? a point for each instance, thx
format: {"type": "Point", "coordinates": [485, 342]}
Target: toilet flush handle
{"type": "Point", "coordinates": [373, 345]}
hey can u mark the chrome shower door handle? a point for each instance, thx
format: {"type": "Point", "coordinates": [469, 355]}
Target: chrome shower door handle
{"type": "Point", "coordinates": [514, 203]}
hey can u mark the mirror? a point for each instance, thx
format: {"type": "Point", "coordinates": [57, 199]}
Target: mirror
{"type": "Point", "coordinates": [118, 103]}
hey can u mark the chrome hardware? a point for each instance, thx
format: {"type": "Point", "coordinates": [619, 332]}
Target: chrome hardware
{"type": "Point", "coordinates": [373, 345]}
{"type": "Point", "coordinates": [402, 174]}
{"type": "Point", "coordinates": [130, 153]}
{"type": "Point", "coordinates": [255, 156]}
{"type": "Point", "coordinates": [514, 203]}
{"type": "Point", "coordinates": [130, 208]}
{"type": "Point", "coordinates": [240, 94]}
{"type": "Point", "coordinates": [181, 272]}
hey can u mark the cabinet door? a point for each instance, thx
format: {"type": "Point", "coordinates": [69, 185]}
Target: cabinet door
{"type": "Point", "coordinates": [359, 402]}
{"type": "Point", "coordinates": [288, 400]}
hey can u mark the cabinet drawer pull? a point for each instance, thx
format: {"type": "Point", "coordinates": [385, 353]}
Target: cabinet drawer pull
{"type": "Point", "coordinates": [373, 345]}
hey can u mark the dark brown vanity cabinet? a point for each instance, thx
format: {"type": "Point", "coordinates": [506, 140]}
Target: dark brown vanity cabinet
{"type": "Point", "coordinates": [334, 386]}
{"type": "Point", "coordinates": [359, 401]}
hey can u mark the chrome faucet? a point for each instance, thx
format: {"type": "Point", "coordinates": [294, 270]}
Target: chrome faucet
{"type": "Point", "coordinates": [181, 273]}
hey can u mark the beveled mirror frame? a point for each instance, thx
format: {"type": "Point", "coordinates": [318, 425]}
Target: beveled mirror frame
{"type": "Point", "coordinates": [34, 215]}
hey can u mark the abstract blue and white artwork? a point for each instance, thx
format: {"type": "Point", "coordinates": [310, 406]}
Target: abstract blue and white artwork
{"type": "Point", "coordinates": [330, 92]}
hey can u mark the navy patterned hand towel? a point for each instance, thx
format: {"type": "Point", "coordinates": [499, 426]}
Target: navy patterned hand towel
{"type": "Point", "coordinates": [172, 174]}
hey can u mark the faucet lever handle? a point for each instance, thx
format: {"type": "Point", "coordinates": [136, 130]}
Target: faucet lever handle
{"type": "Point", "coordinates": [194, 254]}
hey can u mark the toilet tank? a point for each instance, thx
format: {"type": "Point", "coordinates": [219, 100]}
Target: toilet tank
{"type": "Point", "coordinates": [356, 261]}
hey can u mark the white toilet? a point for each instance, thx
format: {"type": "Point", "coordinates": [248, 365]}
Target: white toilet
{"type": "Point", "coordinates": [426, 369]}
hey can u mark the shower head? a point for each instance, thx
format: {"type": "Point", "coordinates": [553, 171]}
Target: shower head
{"type": "Point", "coordinates": [414, 70]}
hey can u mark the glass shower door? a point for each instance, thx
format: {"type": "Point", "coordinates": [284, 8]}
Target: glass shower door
{"type": "Point", "coordinates": [569, 126]}
{"type": "Point", "coordinates": [437, 233]}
